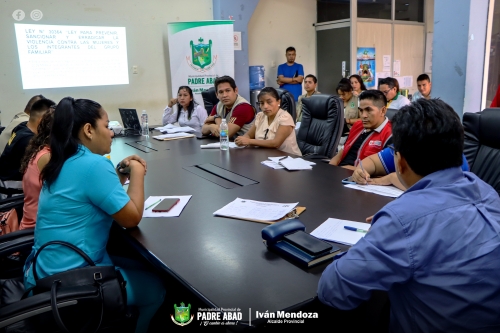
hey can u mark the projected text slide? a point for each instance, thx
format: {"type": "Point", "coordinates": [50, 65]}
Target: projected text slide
{"type": "Point", "coordinates": [55, 56]}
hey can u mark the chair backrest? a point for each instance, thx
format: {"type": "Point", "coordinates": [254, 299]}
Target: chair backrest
{"type": "Point", "coordinates": [287, 102]}
{"type": "Point", "coordinates": [1, 129]}
{"type": "Point", "coordinates": [482, 145]}
{"type": "Point", "coordinates": [209, 99]}
{"type": "Point", "coordinates": [390, 113]}
{"type": "Point", "coordinates": [321, 126]}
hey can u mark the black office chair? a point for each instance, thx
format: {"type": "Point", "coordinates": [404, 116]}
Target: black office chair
{"type": "Point", "coordinates": [482, 145]}
{"type": "Point", "coordinates": [209, 99]}
{"type": "Point", "coordinates": [321, 126]}
{"type": "Point", "coordinates": [390, 113]}
{"type": "Point", "coordinates": [1, 129]}
{"type": "Point", "coordinates": [79, 306]}
{"type": "Point", "coordinates": [287, 102]}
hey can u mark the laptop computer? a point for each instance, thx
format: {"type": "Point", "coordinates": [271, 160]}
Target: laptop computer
{"type": "Point", "coordinates": [131, 124]}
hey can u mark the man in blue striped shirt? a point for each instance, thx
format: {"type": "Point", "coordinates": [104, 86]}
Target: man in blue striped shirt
{"type": "Point", "coordinates": [436, 248]}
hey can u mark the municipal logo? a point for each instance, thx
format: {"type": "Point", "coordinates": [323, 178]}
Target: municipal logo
{"type": "Point", "coordinates": [201, 59]}
{"type": "Point", "coordinates": [182, 315]}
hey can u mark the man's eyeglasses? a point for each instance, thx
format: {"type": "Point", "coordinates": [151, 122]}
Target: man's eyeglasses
{"type": "Point", "coordinates": [386, 92]}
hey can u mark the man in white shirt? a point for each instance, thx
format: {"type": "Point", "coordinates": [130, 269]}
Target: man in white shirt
{"type": "Point", "coordinates": [424, 86]}
{"type": "Point", "coordinates": [390, 88]}
{"type": "Point", "coordinates": [18, 118]}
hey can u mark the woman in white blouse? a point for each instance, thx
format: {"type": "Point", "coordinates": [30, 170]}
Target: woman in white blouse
{"type": "Point", "coordinates": [191, 113]}
{"type": "Point", "coordinates": [273, 127]}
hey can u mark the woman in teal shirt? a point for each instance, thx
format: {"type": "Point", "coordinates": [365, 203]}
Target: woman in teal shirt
{"type": "Point", "coordinates": [82, 194]}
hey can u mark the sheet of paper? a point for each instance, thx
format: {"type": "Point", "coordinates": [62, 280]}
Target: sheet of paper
{"type": "Point", "coordinates": [386, 63]}
{"type": "Point", "coordinates": [271, 164]}
{"type": "Point", "coordinates": [256, 210]}
{"type": "Point", "coordinates": [333, 230]}
{"type": "Point", "coordinates": [178, 129]}
{"type": "Point", "coordinates": [296, 164]}
{"type": "Point", "coordinates": [397, 68]}
{"type": "Point", "coordinates": [386, 191]}
{"type": "Point", "coordinates": [167, 126]}
{"type": "Point", "coordinates": [216, 145]}
{"type": "Point", "coordinates": [282, 158]}
{"type": "Point", "coordinates": [408, 81]}
{"type": "Point", "coordinates": [173, 135]}
{"type": "Point", "coordinates": [174, 212]}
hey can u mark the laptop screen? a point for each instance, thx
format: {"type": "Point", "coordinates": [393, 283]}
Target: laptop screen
{"type": "Point", "coordinates": [130, 120]}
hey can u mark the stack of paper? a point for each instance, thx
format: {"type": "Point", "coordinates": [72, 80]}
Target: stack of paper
{"type": "Point", "coordinates": [289, 163]}
{"type": "Point", "coordinates": [255, 210]}
{"type": "Point", "coordinates": [387, 191]}
{"type": "Point", "coordinates": [177, 129]}
{"type": "Point", "coordinates": [173, 136]}
{"type": "Point", "coordinates": [164, 128]}
{"type": "Point", "coordinates": [216, 145]}
{"type": "Point", "coordinates": [333, 230]}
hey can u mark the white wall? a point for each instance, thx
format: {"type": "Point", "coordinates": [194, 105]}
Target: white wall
{"type": "Point", "coordinates": [277, 24]}
{"type": "Point", "coordinates": [146, 26]}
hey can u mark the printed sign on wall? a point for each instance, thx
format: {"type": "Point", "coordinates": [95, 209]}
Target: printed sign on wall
{"type": "Point", "coordinates": [366, 65]}
{"type": "Point", "coordinates": [199, 53]}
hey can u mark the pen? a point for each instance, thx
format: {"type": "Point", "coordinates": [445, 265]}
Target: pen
{"type": "Point", "coordinates": [355, 229]}
{"type": "Point", "coordinates": [362, 169]}
{"type": "Point", "coordinates": [282, 158]}
{"type": "Point", "coordinates": [153, 204]}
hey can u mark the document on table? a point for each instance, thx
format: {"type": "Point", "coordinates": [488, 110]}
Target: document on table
{"type": "Point", "coordinates": [289, 163]}
{"type": "Point", "coordinates": [174, 212]}
{"type": "Point", "coordinates": [387, 191]}
{"type": "Point", "coordinates": [178, 129]}
{"type": "Point", "coordinates": [173, 136]}
{"type": "Point", "coordinates": [271, 164]}
{"type": "Point", "coordinates": [167, 126]}
{"type": "Point", "coordinates": [255, 210]}
{"type": "Point", "coordinates": [333, 230]}
{"type": "Point", "coordinates": [216, 145]}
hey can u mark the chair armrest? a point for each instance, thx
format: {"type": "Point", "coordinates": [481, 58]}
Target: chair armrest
{"type": "Point", "coordinates": [16, 241]}
{"type": "Point", "coordinates": [9, 203]}
{"type": "Point", "coordinates": [38, 304]}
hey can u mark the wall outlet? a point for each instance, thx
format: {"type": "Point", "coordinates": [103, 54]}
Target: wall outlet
{"type": "Point", "coordinates": [134, 70]}
{"type": "Point", "coordinates": [273, 64]}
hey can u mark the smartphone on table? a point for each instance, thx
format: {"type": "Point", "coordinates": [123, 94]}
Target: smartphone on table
{"type": "Point", "coordinates": [165, 205]}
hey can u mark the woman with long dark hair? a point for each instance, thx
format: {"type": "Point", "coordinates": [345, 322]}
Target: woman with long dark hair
{"type": "Point", "coordinates": [82, 194]}
{"type": "Point", "coordinates": [184, 110]}
{"type": "Point", "coordinates": [357, 84]}
{"type": "Point", "coordinates": [35, 158]}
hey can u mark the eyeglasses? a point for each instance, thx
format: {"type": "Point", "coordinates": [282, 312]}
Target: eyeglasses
{"type": "Point", "coordinates": [392, 149]}
{"type": "Point", "coordinates": [265, 135]}
{"type": "Point", "coordinates": [386, 92]}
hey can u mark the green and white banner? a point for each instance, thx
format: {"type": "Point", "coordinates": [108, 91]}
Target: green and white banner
{"type": "Point", "coordinates": [200, 52]}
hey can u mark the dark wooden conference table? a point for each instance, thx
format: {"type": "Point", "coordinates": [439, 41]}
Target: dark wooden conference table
{"type": "Point", "coordinates": [224, 260]}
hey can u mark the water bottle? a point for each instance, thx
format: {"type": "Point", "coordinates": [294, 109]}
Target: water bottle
{"type": "Point", "coordinates": [144, 123]}
{"type": "Point", "coordinates": [224, 140]}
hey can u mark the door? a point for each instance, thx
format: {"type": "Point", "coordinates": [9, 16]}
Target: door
{"type": "Point", "coordinates": [333, 48]}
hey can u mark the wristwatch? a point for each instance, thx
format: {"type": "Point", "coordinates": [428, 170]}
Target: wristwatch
{"type": "Point", "coordinates": [216, 116]}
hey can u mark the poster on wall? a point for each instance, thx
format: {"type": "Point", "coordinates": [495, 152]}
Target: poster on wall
{"type": "Point", "coordinates": [199, 53]}
{"type": "Point", "coordinates": [366, 65]}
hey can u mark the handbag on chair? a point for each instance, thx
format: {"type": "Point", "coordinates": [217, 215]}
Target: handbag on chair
{"type": "Point", "coordinates": [8, 222]}
{"type": "Point", "coordinates": [107, 279]}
